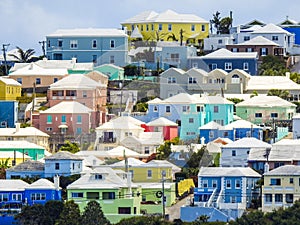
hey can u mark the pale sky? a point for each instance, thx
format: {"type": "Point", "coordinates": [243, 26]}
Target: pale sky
{"type": "Point", "coordinates": [26, 22]}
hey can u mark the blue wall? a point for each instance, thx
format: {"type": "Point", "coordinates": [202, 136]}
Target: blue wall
{"type": "Point", "coordinates": [296, 31]}
{"type": "Point", "coordinates": [8, 113]}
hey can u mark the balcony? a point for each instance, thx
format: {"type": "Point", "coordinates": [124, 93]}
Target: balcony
{"type": "Point", "coordinates": [107, 140]}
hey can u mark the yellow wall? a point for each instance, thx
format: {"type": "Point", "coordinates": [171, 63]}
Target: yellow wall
{"type": "Point", "coordinates": [151, 35]}
{"type": "Point", "coordinates": [185, 186]}
{"type": "Point", "coordinates": [18, 161]}
{"type": "Point", "coordinates": [9, 92]}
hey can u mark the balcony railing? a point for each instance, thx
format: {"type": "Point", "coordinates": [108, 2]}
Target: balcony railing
{"type": "Point", "coordinates": [107, 140]}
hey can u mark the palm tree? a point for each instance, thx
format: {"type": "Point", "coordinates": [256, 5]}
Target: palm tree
{"type": "Point", "coordinates": [3, 166]}
{"type": "Point", "coordinates": [23, 56]}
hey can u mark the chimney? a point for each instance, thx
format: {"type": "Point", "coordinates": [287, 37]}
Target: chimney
{"type": "Point", "coordinates": [202, 141]}
{"type": "Point", "coordinates": [56, 182]}
{"type": "Point", "coordinates": [288, 74]}
{"type": "Point", "coordinates": [18, 125]}
{"type": "Point", "coordinates": [267, 167]}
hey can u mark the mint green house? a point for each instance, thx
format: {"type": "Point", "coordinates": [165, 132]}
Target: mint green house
{"type": "Point", "coordinates": [118, 196]}
{"type": "Point", "coordinates": [112, 71]}
{"type": "Point", "coordinates": [263, 109]}
{"type": "Point", "coordinates": [35, 151]}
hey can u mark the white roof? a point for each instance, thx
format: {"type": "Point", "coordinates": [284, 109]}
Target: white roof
{"type": "Point", "coordinates": [285, 150]}
{"type": "Point", "coordinates": [259, 40]}
{"type": "Point", "coordinates": [161, 121]}
{"type": "Point", "coordinates": [41, 184]}
{"type": "Point", "coordinates": [252, 28]}
{"type": "Point", "coordinates": [123, 122]}
{"type": "Point", "coordinates": [266, 101]}
{"type": "Point", "coordinates": [154, 101]}
{"type": "Point", "coordinates": [167, 16]}
{"type": "Point", "coordinates": [91, 160]}
{"type": "Point", "coordinates": [287, 170]}
{"type": "Point", "coordinates": [34, 69]}
{"type": "Point", "coordinates": [132, 162]}
{"type": "Point", "coordinates": [271, 82]}
{"type": "Point", "coordinates": [68, 107]}
{"type": "Point", "coordinates": [19, 144]}
{"type": "Point", "coordinates": [13, 185]}
{"type": "Point", "coordinates": [270, 29]}
{"type": "Point", "coordinates": [224, 53]}
{"type": "Point", "coordinates": [212, 99]}
{"type": "Point", "coordinates": [211, 125]}
{"type": "Point", "coordinates": [121, 150]}
{"type": "Point", "coordinates": [240, 124]}
{"type": "Point", "coordinates": [9, 81]}
{"type": "Point", "coordinates": [88, 32]}
{"type": "Point", "coordinates": [23, 132]}
{"type": "Point", "coordinates": [227, 172]}
{"type": "Point", "coordinates": [76, 81]}
{"type": "Point", "coordinates": [181, 98]}
{"type": "Point", "coordinates": [248, 142]}
{"type": "Point", "coordinates": [136, 33]}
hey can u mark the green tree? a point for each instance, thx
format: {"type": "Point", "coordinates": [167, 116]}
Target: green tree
{"type": "Point", "coordinates": [52, 210]}
{"type": "Point", "coordinates": [272, 66]}
{"type": "Point", "coordinates": [284, 94]}
{"type": "Point", "coordinates": [144, 220]}
{"type": "Point", "coordinates": [216, 21]}
{"type": "Point", "coordinates": [70, 214]}
{"type": "Point", "coordinates": [70, 147]}
{"type": "Point", "coordinates": [32, 215]}
{"type": "Point", "coordinates": [24, 56]}
{"type": "Point", "coordinates": [225, 25]}
{"type": "Point", "coordinates": [164, 150]}
{"type": "Point", "coordinates": [93, 215]}
{"type": "Point", "coordinates": [4, 164]}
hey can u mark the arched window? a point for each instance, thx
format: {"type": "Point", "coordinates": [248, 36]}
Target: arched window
{"type": "Point", "coordinates": [235, 79]}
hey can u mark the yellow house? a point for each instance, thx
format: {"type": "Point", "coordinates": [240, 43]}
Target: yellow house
{"type": "Point", "coordinates": [9, 89]}
{"type": "Point", "coordinates": [167, 26]}
{"type": "Point", "coordinates": [281, 187]}
{"type": "Point", "coordinates": [14, 157]}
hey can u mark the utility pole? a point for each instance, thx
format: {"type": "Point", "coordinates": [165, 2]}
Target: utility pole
{"type": "Point", "coordinates": [163, 174]}
{"type": "Point", "coordinates": [43, 47]}
{"type": "Point", "coordinates": [4, 49]}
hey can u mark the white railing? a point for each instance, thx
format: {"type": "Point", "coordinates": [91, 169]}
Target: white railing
{"type": "Point", "coordinates": [210, 200]}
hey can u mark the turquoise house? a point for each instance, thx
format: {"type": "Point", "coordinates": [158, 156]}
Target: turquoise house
{"type": "Point", "coordinates": [112, 71]}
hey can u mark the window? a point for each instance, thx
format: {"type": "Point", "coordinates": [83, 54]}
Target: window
{"type": "Point", "coordinates": [168, 109]}
{"type": "Point", "coordinates": [278, 198]}
{"type": "Point", "coordinates": [274, 38]}
{"type": "Point", "coordinates": [142, 28]}
{"type": "Point", "coordinates": [228, 184]}
{"type": "Point", "coordinates": [147, 27]}
{"type": "Point", "coordinates": [78, 130]}
{"type": "Point", "coordinates": [38, 196]}
{"type": "Point", "coordinates": [16, 197]}
{"type": "Point", "coordinates": [234, 49]}
{"type": "Point", "coordinates": [112, 59]}
{"type": "Point", "coordinates": [289, 198]}
{"type": "Point", "coordinates": [94, 58]}
{"type": "Point", "coordinates": [203, 27]}
{"type": "Point", "coordinates": [213, 66]}
{"type": "Point", "coordinates": [225, 134]}
{"type": "Point", "coordinates": [3, 197]}
{"type": "Point", "coordinates": [200, 108]}
{"type": "Point", "coordinates": [228, 66]}
{"type": "Point", "coordinates": [258, 115]}
{"type": "Point", "coordinates": [249, 50]}
{"type": "Point", "coordinates": [268, 198]}
{"type": "Point", "coordinates": [112, 43]}
{"type": "Point", "coordinates": [73, 44]}
{"type": "Point", "coordinates": [185, 108]}
{"type": "Point", "coordinates": [275, 181]}
{"type": "Point", "coordinates": [147, 150]}
{"type": "Point", "coordinates": [108, 195]}
{"type": "Point", "coordinates": [55, 79]}
{"type": "Point", "coordinates": [263, 51]}
{"type": "Point", "coordinates": [211, 134]}
{"type": "Point", "coordinates": [195, 65]}
{"type": "Point", "coordinates": [94, 44]}
{"type": "Point", "coordinates": [49, 119]}
{"type": "Point", "coordinates": [274, 115]}
{"type": "Point", "coordinates": [237, 183]}
{"type": "Point", "coordinates": [149, 173]}
{"type": "Point", "coordinates": [214, 183]}
{"type": "Point", "coordinates": [233, 153]}
{"type": "Point", "coordinates": [98, 177]}
{"type": "Point", "coordinates": [49, 129]}
{"type": "Point", "coordinates": [56, 166]}
{"type": "Point", "coordinates": [160, 27]}
{"type": "Point", "coordinates": [152, 26]}
{"type": "Point", "coordinates": [193, 27]}
{"type": "Point", "coordinates": [49, 44]}
{"type": "Point", "coordinates": [205, 183]}
{"type": "Point", "coordinates": [220, 41]}
{"type": "Point", "coordinates": [19, 80]}
{"type": "Point", "coordinates": [192, 80]}
{"type": "Point", "coordinates": [171, 80]}
{"type": "Point", "coordinates": [128, 134]}
{"type": "Point", "coordinates": [84, 94]}
{"type": "Point", "coordinates": [216, 109]}
{"type": "Point", "coordinates": [155, 109]}
{"type": "Point", "coordinates": [233, 199]}
{"type": "Point", "coordinates": [169, 27]}
{"type": "Point", "coordinates": [246, 66]}
{"type": "Point", "coordinates": [63, 119]}
{"type": "Point", "coordinates": [124, 210]}
{"type": "Point", "coordinates": [291, 180]}
{"type": "Point", "coordinates": [77, 194]}
{"type": "Point", "coordinates": [191, 120]}
{"type": "Point", "coordinates": [37, 80]}
{"type": "Point", "coordinates": [59, 43]}
{"type": "Point", "coordinates": [246, 38]}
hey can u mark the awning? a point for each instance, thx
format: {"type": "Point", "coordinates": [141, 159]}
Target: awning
{"type": "Point", "coordinates": [63, 126]}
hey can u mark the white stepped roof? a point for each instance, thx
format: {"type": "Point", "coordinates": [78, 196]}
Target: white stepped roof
{"type": "Point", "coordinates": [34, 69]}
{"type": "Point", "coordinates": [88, 32]}
{"type": "Point", "coordinates": [287, 170]}
{"type": "Point", "coordinates": [271, 82]}
{"type": "Point", "coordinates": [68, 107]}
{"type": "Point", "coordinates": [224, 53]}
{"type": "Point", "coordinates": [248, 142]}
{"type": "Point", "coordinates": [161, 121]}
{"type": "Point", "coordinates": [259, 40]}
{"type": "Point", "coordinates": [13, 185]}
{"type": "Point", "coordinates": [211, 125]}
{"type": "Point", "coordinates": [266, 101]}
{"type": "Point", "coordinates": [9, 81]}
{"type": "Point", "coordinates": [19, 144]}
{"type": "Point", "coordinates": [227, 172]}
{"type": "Point", "coordinates": [271, 29]}
{"type": "Point", "coordinates": [240, 124]}
{"type": "Point", "coordinates": [123, 122]}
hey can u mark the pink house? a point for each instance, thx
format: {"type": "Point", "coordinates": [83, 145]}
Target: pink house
{"type": "Point", "coordinates": [89, 90]}
{"type": "Point", "coordinates": [67, 117]}
{"type": "Point", "coordinates": [167, 127]}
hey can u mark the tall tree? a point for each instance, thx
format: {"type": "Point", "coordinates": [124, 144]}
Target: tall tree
{"type": "Point", "coordinates": [23, 56]}
{"type": "Point", "coordinates": [284, 94]}
{"type": "Point", "coordinates": [225, 25]}
{"type": "Point", "coordinates": [93, 215]}
{"type": "Point", "coordinates": [70, 215]}
{"type": "Point", "coordinates": [3, 166]}
{"type": "Point", "coordinates": [32, 215]}
{"type": "Point", "coordinates": [216, 21]}
{"type": "Point", "coordinates": [53, 210]}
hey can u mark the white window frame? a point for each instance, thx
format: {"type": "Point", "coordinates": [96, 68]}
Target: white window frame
{"type": "Point", "coordinates": [112, 43]}
{"type": "Point", "coordinates": [245, 66]}
{"type": "Point", "coordinates": [94, 43]}
{"type": "Point", "coordinates": [169, 27]}
{"type": "Point", "coordinates": [228, 66]}
{"type": "Point", "coordinates": [73, 44]}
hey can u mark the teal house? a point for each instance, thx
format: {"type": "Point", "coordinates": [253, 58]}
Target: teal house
{"type": "Point", "coordinates": [112, 71]}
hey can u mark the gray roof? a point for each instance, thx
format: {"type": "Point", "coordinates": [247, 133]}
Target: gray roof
{"type": "Point", "coordinates": [63, 155]}
{"type": "Point", "coordinates": [288, 170]}
{"type": "Point", "coordinates": [227, 172]}
{"type": "Point", "coordinates": [29, 165]}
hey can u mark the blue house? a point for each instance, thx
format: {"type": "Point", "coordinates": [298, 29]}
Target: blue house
{"type": "Point", "coordinates": [226, 60]}
{"type": "Point", "coordinates": [8, 114]}
{"type": "Point", "coordinates": [222, 191]}
{"type": "Point", "coordinates": [100, 46]}
{"type": "Point", "coordinates": [29, 168]}
{"type": "Point", "coordinates": [62, 163]}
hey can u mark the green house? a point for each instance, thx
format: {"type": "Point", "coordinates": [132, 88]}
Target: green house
{"type": "Point", "coordinates": [118, 196]}
{"type": "Point", "coordinates": [112, 71]}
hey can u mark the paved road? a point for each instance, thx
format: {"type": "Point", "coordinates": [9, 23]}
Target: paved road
{"type": "Point", "coordinates": [174, 210]}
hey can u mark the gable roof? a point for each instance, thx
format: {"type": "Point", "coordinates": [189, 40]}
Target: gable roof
{"type": "Point", "coordinates": [132, 162]}
{"type": "Point", "coordinates": [227, 172]}
{"type": "Point", "coordinates": [287, 170]}
{"type": "Point", "coordinates": [270, 29]}
{"type": "Point", "coordinates": [154, 101]}
{"type": "Point", "coordinates": [9, 81]}
{"type": "Point", "coordinates": [22, 132]}
{"type": "Point", "coordinates": [63, 155]}
{"type": "Point", "coordinates": [211, 125]}
{"type": "Point", "coordinates": [259, 40]}
{"type": "Point", "coordinates": [41, 184]}
{"type": "Point", "coordinates": [240, 124]}
{"type": "Point", "coordinates": [122, 122]}
{"type": "Point", "coordinates": [88, 32]}
{"type": "Point", "coordinates": [12, 154]}
{"type": "Point", "coordinates": [271, 82]}
{"type": "Point", "coordinates": [121, 151]}
{"type": "Point", "coordinates": [29, 165]}
{"type": "Point", "coordinates": [76, 81]}
{"type": "Point", "coordinates": [34, 69]}
{"type": "Point", "coordinates": [19, 144]}
{"type": "Point", "coordinates": [248, 142]}
{"type": "Point", "coordinates": [266, 101]}
{"type": "Point", "coordinates": [67, 107]}
{"type": "Point", "coordinates": [161, 121]}
{"type": "Point", "coordinates": [181, 98]}
{"type": "Point", "coordinates": [13, 185]}
{"type": "Point", "coordinates": [224, 53]}
{"type": "Point", "coordinates": [212, 99]}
